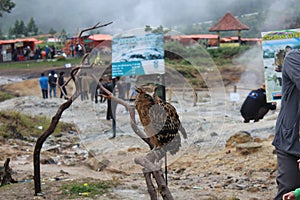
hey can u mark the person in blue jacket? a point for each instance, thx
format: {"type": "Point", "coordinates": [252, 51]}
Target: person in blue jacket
{"type": "Point", "coordinates": [44, 85]}
{"type": "Point", "coordinates": [287, 138]}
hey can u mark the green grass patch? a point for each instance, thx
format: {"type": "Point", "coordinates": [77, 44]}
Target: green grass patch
{"type": "Point", "coordinates": [224, 55]}
{"type": "Point", "coordinates": [5, 96]}
{"type": "Point", "coordinates": [22, 126]}
{"type": "Point", "coordinates": [39, 64]}
{"type": "Point", "coordinates": [74, 190]}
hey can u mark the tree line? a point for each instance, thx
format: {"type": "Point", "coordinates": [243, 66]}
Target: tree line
{"type": "Point", "coordinates": [19, 29]}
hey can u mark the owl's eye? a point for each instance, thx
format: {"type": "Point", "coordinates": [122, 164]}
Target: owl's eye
{"type": "Point", "coordinates": [147, 96]}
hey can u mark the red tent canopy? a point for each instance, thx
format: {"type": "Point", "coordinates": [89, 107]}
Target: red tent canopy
{"type": "Point", "coordinates": [18, 40]}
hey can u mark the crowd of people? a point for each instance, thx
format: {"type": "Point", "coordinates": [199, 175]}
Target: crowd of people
{"type": "Point", "coordinates": [89, 88]}
{"type": "Point", "coordinates": [49, 83]}
{"type": "Point", "coordinates": [27, 53]}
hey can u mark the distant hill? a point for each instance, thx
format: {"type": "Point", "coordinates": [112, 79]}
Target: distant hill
{"type": "Point", "coordinates": [259, 15]}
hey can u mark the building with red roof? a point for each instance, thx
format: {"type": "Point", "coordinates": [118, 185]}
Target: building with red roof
{"type": "Point", "coordinates": [13, 50]}
{"type": "Point", "coordinates": [229, 23]}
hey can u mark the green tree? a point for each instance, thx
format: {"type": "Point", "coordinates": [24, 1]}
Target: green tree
{"type": "Point", "coordinates": [159, 29]}
{"type": "Point", "coordinates": [13, 30]}
{"type": "Point", "coordinates": [148, 28]}
{"type": "Point", "coordinates": [52, 31]}
{"type": "Point", "coordinates": [6, 6]}
{"type": "Point", "coordinates": [32, 28]}
{"type": "Point", "coordinates": [1, 35]}
{"type": "Point", "coordinates": [19, 29]}
{"type": "Point", "coordinates": [22, 30]}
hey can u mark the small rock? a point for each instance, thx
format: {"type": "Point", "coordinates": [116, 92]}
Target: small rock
{"type": "Point", "coordinates": [97, 165]}
{"type": "Point", "coordinates": [247, 148]}
{"type": "Point", "coordinates": [213, 134]}
{"type": "Point", "coordinates": [46, 160]}
{"type": "Point", "coordinates": [133, 149]}
{"type": "Point", "coordinates": [238, 138]}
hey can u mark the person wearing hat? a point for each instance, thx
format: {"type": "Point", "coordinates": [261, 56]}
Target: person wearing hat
{"type": "Point", "coordinates": [61, 82]}
{"type": "Point", "coordinates": [255, 106]}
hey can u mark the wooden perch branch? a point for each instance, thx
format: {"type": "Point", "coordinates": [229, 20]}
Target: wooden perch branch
{"type": "Point", "coordinates": [130, 109]}
{"type": "Point", "coordinates": [148, 161]}
{"type": "Point", "coordinates": [150, 186]}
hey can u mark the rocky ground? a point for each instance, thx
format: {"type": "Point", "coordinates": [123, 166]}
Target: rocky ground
{"type": "Point", "coordinates": [210, 165]}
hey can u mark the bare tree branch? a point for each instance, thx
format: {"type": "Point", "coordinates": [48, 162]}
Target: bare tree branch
{"type": "Point", "coordinates": [93, 27]}
{"type": "Point", "coordinates": [48, 132]}
{"type": "Point", "coordinates": [55, 119]}
{"type": "Point", "coordinates": [130, 109]}
{"type": "Point", "coordinates": [5, 174]}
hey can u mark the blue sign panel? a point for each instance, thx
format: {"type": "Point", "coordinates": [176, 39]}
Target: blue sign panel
{"type": "Point", "coordinates": [138, 55]}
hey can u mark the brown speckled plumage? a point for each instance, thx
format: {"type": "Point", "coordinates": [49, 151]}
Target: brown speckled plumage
{"type": "Point", "coordinates": [160, 121]}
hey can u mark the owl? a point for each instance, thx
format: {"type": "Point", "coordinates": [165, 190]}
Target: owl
{"type": "Point", "coordinates": [160, 121]}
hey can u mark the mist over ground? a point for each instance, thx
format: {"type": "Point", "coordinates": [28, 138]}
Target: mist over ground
{"type": "Point", "coordinates": [73, 15]}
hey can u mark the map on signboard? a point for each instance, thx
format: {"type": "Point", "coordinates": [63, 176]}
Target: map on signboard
{"type": "Point", "coordinates": [275, 45]}
{"type": "Point", "coordinates": [138, 55]}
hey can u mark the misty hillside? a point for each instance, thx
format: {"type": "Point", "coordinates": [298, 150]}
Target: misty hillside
{"type": "Point", "coordinates": [260, 16]}
{"type": "Point", "coordinates": [188, 17]}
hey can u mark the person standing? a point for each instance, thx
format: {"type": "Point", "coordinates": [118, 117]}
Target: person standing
{"type": "Point", "coordinates": [110, 87]}
{"type": "Point", "coordinates": [286, 139]}
{"type": "Point", "coordinates": [47, 51]}
{"type": "Point", "coordinates": [255, 106]}
{"type": "Point", "coordinates": [52, 79]}
{"type": "Point", "coordinates": [44, 85]}
{"type": "Point", "coordinates": [102, 99]}
{"type": "Point", "coordinates": [127, 86]}
{"type": "Point", "coordinates": [85, 86]}
{"type": "Point", "coordinates": [61, 82]}
{"type": "Point", "coordinates": [72, 50]}
{"type": "Point", "coordinates": [133, 80]}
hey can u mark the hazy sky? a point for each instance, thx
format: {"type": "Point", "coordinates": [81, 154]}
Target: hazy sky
{"type": "Point", "coordinates": [125, 14]}
{"type": "Point", "coordinates": [73, 15]}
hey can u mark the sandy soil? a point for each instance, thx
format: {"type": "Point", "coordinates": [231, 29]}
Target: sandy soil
{"type": "Point", "coordinates": [203, 169]}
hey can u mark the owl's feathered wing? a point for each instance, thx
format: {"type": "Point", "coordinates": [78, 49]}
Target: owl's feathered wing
{"type": "Point", "coordinates": [166, 121]}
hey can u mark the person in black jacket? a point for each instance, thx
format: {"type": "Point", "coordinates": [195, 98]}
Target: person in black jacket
{"type": "Point", "coordinates": [286, 138]}
{"type": "Point", "coordinates": [255, 106]}
{"type": "Point", "coordinates": [61, 82]}
{"type": "Point", "coordinates": [110, 87]}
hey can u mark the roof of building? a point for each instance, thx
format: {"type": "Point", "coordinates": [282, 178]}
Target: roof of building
{"type": "Point", "coordinates": [229, 23]}
{"type": "Point", "coordinates": [18, 40]}
{"type": "Point", "coordinates": [198, 36]}
{"type": "Point", "coordinates": [100, 37]}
